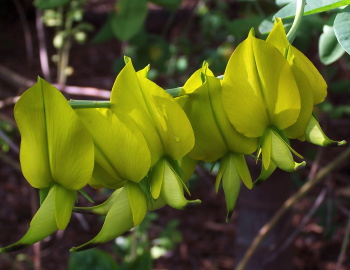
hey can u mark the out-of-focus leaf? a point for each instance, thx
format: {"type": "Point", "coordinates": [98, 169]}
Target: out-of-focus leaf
{"type": "Point", "coordinates": [169, 4]}
{"type": "Point", "coordinates": [311, 7]}
{"type": "Point", "coordinates": [342, 30]}
{"type": "Point", "coordinates": [240, 27]}
{"type": "Point", "coordinates": [93, 259]}
{"type": "Point", "coordinates": [328, 46]}
{"type": "Point", "coordinates": [130, 18]}
{"type": "Point", "coordinates": [106, 31]}
{"type": "Point", "coordinates": [48, 4]}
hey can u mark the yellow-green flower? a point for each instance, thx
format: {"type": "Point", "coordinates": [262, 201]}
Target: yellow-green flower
{"type": "Point", "coordinates": [56, 153]}
{"type": "Point", "coordinates": [261, 99]}
{"type": "Point", "coordinates": [121, 151]}
{"type": "Point", "coordinates": [163, 123]}
{"type": "Point", "coordinates": [312, 89]}
{"type": "Point", "coordinates": [215, 137]}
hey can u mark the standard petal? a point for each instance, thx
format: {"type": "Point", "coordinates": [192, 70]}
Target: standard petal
{"type": "Point", "coordinates": [269, 94]}
{"type": "Point", "coordinates": [70, 145]}
{"type": "Point", "coordinates": [318, 86]}
{"type": "Point", "coordinates": [128, 97]}
{"type": "Point", "coordinates": [235, 141]}
{"type": "Point", "coordinates": [297, 130]}
{"type": "Point", "coordinates": [121, 149]}
{"type": "Point", "coordinates": [209, 143]}
{"type": "Point", "coordinates": [171, 122]}
{"type": "Point", "coordinates": [29, 113]}
{"type": "Point", "coordinates": [42, 225]}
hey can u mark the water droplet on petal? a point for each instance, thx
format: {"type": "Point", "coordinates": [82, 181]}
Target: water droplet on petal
{"type": "Point", "coordinates": [177, 139]}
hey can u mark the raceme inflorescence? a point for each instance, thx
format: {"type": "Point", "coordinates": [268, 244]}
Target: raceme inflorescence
{"type": "Point", "coordinates": [146, 144]}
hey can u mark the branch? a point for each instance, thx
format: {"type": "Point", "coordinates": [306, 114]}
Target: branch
{"type": "Point", "coordinates": [17, 81]}
{"type": "Point", "coordinates": [288, 204]}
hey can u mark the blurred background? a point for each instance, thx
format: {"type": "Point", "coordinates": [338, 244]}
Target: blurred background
{"type": "Point", "coordinates": [79, 45]}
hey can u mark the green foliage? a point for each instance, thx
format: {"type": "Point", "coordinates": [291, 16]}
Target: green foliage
{"type": "Point", "coordinates": [342, 29]}
{"type": "Point", "coordinates": [93, 259]}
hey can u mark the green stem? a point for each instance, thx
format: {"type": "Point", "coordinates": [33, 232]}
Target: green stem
{"type": "Point", "coordinates": [89, 104]}
{"type": "Point", "coordinates": [297, 20]}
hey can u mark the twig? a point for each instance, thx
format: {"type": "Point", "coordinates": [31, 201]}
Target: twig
{"type": "Point", "coordinates": [10, 161]}
{"type": "Point", "coordinates": [288, 204]}
{"type": "Point", "coordinates": [12, 145]}
{"type": "Point", "coordinates": [26, 30]}
{"type": "Point", "coordinates": [44, 62]}
{"type": "Point", "coordinates": [320, 198]}
{"type": "Point", "coordinates": [343, 247]}
{"type": "Point", "coordinates": [20, 82]}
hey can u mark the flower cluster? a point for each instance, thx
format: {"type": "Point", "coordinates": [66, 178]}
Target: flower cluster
{"type": "Point", "coordinates": [145, 146]}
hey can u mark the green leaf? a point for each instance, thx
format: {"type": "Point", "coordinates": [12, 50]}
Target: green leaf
{"type": "Point", "coordinates": [42, 225]}
{"type": "Point", "coordinates": [329, 48]}
{"type": "Point", "coordinates": [342, 31]}
{"type": "Point", "coordinates": [169, 4]}
{"type": "Point", "coordinates": [241, 26]}
{"type": "Point", "coordinates": [129, 19]}
{"type": "Point", "coordinates": [49, 4]}
{"type": "Point", "coordinates": [55, 145]}
{"type": "Point", "coordinates": [105, 33]}
{"type": "Point", "coordinates": [93, 259]}
{"type": "Point", "coordinates": [311, 7]}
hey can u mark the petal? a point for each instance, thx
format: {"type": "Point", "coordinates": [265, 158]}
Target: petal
{"type": "Point", "coordinates": [138, 202]}
{"type": "Point", "coordinates": [128, 97]}
{"type": "Point", "coordinates": [231, 183]}
{"type": "Point", "coordinates": [170, 120]}
{"type": "Point", "coordinates": [34, 155]}
{"type": "Point", "coordinates": [264, 174]}
{"type": "Point", "coordinates": [319, 85]}
{"type": "Point", "coordinates": [119, 219]}
{"type": "Point", "coordinates": [281, 154]}
{"type": "Point", "coordinates": [64, 203]}
{"type": "Point", "coordinates": [45, 118]}
{"type": "Point", "coordinates": [209, 143]}
{"type": "Point", "coordinates": [121, 149]}
{"type": "Point", "coordinates": [268, 95]}
{"type": "Point", "coordinates": [172, 190]}
{"type": "Point", "coordinates": [318, 89]}
{"type": "Point", "coordinates": [157, 175]}
{"type": "Point", "coordinates": [235, 141]}
{"type": "Point", "coordinates": [101, 209]}
{"type": "Point", "coordinates": [243, 170]}
{"type": "Point", "coordinates": [314, 134]}
{"type": "Point", "coordinates": [298, 128]}
{"type": "Point", "coordinates": [42, 225]}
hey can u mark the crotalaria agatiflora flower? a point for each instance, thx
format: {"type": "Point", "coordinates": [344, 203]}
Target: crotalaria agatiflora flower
{"type": "Point", "coordinates": [164, 124]}
{"type": "Point", "coordinates": [215, 136]}
{"type": "Point", "coordinates": [57, 154]}
{"type": "Point", "coordinates": [261, 98]}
